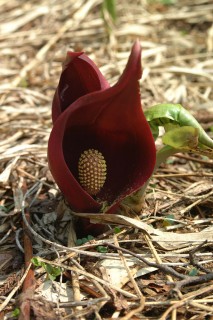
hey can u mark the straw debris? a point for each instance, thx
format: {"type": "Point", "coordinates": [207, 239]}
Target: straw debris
{"type": "Point", "coordinates": [163, 279]}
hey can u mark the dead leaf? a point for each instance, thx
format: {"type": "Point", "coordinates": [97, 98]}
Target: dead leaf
{"type": "Point", "coordinates": [116, 271]}
{"type": "Point", "coordinates": [166, 240]}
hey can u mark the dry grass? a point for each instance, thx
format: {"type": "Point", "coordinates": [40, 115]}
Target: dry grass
{"type": "Point", "coordinates": [177, 45]}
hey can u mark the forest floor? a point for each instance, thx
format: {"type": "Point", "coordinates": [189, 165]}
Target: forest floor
{"type": "Point", "coordinates": [123, 274]}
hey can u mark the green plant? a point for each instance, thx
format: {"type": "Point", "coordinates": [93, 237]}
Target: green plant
{"type": "Point", "coordinates": [16, 312]}
{"type": "Point", "coordinates": [52, 272]}
{"type": "Point", "coordinates": [84, 240]}
{"type": "Point", "coordinates": [102, 249]}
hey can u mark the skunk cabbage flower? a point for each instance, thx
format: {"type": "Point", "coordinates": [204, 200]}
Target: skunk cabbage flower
{"type": "Point", "coordinates": [101, 148]}
{"type": "Point", "coordinates": [79, 76]}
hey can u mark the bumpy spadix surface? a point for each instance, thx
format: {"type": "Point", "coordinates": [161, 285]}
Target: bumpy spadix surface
{"type": "Point", "coordinates": [92, 171]}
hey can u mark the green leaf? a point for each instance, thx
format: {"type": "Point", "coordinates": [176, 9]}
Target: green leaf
{"type": "Point", "coordinates": [182, 138]}
{"type": "Point", "coordinates": [50, 277]}
{"type": "Point", "coordinates": [117, 230]}
{"type": "Point", "coordinates": [52, 271]}
{"type": "Point", "coordinates": [169, 220]}
{"type": "Point", "coordinates": [110, 7]}
{"type": "Point", "coordinates": [79, 242]}
{"type": "Point", "coordinates": [16, 312]}
{"type": "Point", "coordinates": [102, 249]}
{"type": "Point", "coordinates": [193, 272]}
{"type": "Point", "coordinates": [49, 268]}
{"type": "Point", "coordinates": [84, 240]}
{"type": "Point", "coordinates": [57, 271]}
{"type": "Point", "coordinates": [164, 114]}
{"type": "Point", "coordinates": [89, 237]}
{"type": "Point", "coordinates": [35, 261]}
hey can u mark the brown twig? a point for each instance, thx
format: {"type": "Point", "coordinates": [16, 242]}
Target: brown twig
{"type": "Point", "coordinates": [193, 280]}
{"type": "Point", "coordinates": [29, 282]}
{"type": "Point", "coordinates": [186, 157]}
{"type": "Point", "coordinates": [165, 269]}
{"type": "Point", "coordinates": [192, 258]}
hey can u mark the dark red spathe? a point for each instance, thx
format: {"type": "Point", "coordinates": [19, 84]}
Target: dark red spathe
{"type": "Point", "coordinates": [89, 114]}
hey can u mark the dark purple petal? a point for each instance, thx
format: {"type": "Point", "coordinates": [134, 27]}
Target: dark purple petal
{"type": "Point", "coordinates": [79, 76]}
{"type": "Point", "coordinates": [112, 122]}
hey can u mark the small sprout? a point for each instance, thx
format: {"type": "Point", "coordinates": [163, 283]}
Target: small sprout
{"type": "Point", "coordinates": [16, 312]}
{"type": "Point", "coordinates": [36, 262]}
{"type": "Point", "coordinates": [102, 249]}
{"type": "Point", "coordinates": [89, 237]}
{"type": "Point", "coordinates": [79, 242]}
{"type": "Point", "coordinates": [117, 230]}
{"type": "Point", "coordinates": [52, 272]}
{"type": "Point", "coordinates": [193, 272]}
{"type": "Point", "coordinates": [109, 12]}
{"type": "Point", "coordinates": [110, 7]}
{"type": "Point", "coordinates": [169, 220]}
